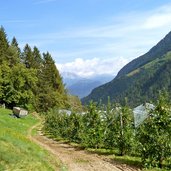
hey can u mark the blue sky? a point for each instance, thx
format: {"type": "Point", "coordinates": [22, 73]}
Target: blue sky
{"type": "Point", "coordinates": [88, 37]}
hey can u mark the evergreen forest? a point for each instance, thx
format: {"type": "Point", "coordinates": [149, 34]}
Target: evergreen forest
{"type": "Point", "coordinates": [28, 78]}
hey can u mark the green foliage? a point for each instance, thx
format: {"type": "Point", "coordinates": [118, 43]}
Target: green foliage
{"type": "Point", "coordinates": [111, 128]}
{"type": "Point", "coordinates": [146, 84]}
{"type": "Point", "coordinates": [27, 56]}
{"type": "Point", "coordinates": [14, 44]}
{"type": "Point", "coordinates": [28, 80]}
{"type": "Point", "coordinates": [37, 63]}
{"type": "Point", "coordinates": [50, 92]}
{"type": "Point", "coordinates": [119, 128]}
{"type": "Point", "coordinates": [155, 135]}
{"type": "Point", "coordinates": [3, 44]}
{"type": "Point", "coordinates": [162, 48]}
{"type": "Point", "coordinates": [92, 134]}
{"type": "Point", "coordinates": [75, 125]}
{"type": "Point", "coordinates": [95, 128]}
{"type": "Point", "coordinates": [124, 130]}
{"type": "Point", "coordinates": [17, 84]}
{"type": "Point", "coordinates": [74, 103]}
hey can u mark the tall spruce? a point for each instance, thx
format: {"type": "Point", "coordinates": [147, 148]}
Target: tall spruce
{"type": "Point", "coordinates": [12, 56]}
{"type": "Point", "coordinates": [3, 44]}
{"type": "Point", "coordinates": [37, 63]}
{"type": "Point", "coordinates": [27, 56]}
{"type": "Point", "coordinates": [52, 92]}
{"type": "Point", "coordinates": [14, 43]}
{"type": "Point", "coordinates": [51, 74]}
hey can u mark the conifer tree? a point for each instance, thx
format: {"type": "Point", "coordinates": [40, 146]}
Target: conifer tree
{"type": "Point", "coordinates": [51, 74]}
{"type": "Point", "coordinates": [28, 80]}
{"type": "Point", "coordinates": [27, 56]}
{"type": "Point", "coordinates": [52, 92]}
{"type": "Point", "coordinates": [37, 63]}
{"type": "Point", "coordinates": [12, 56]}
{"type": "Point", "coordinates": [14, 43]}
{"type": "Point", "coordinates": [3, 44]}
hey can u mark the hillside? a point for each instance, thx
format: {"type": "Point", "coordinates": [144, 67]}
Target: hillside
{"type": "Point", "coordinates": [157, 51]}
{"type": "Point", "coordinates": [17, 152]}
{"type": "Point", "coordinates": [83, 88]}
{"type": "Point", "coordinates": [141, 79]}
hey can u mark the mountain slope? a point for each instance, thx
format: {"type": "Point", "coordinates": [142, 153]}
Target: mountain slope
{"type": "Point", "coordinates": [141, 79]}
{"type": "Point", "coordinates": [82, 87]}
{"type": "Point", "coordinates": [157, 51]}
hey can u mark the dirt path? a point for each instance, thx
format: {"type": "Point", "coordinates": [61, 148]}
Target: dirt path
{"type": "Point", "coordinates": [74, 159]}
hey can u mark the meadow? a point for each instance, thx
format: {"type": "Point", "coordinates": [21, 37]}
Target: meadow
{"type": "Point", "coordinates": [17, 151]}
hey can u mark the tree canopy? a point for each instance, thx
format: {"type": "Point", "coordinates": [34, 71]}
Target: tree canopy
{"type": "Point", "coordinates": [28, 78]}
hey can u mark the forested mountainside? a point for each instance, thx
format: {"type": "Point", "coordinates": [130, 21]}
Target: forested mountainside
{"type": "Point", "coordinates": [157, 51]}
{"type": "Point", "coordinates": [140, 80]}
{"type": "Point", "coordinates": [27, 78]}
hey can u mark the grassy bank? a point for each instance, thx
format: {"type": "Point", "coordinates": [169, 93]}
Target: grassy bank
{"type": "Point", "coordinates": [17, 152]}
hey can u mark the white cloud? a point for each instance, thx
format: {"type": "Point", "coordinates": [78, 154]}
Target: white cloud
{"type": "Point", "coordinates": [91, 67]}
{"type": "Point", "coordinates": [129, 36]}
{"type": "Point", "coordinates": [160, 17]}
{"type": "Point", "coordinates": [158, 21]}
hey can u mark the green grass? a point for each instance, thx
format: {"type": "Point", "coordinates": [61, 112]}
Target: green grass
{"type": "Point", "coordinates": [133, 161]}
{"type": "Point", "coordinates": [129, 160]}
{"type": "Point", "coordinates": [17, 152]}
{"type": "Point", "coordinates": [133, 72]}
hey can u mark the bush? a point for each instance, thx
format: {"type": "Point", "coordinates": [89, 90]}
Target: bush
{"type": "Point", "coordinates": [155, 135]}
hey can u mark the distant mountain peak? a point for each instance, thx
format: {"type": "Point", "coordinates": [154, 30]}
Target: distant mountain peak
{"type": "Point", "coordinates": [81, 86]}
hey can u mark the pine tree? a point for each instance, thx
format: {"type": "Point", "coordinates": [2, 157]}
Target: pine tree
{"type": "Point", "coordinates": [3, 44]}
{"type": "Point", "coordinates": [51, 88]}
{"type": "Point", "coordinates": [14, 43]}
{"type": "Point", "coordinates": [27, 56]}
{"type": "Point", "coordinates": [12, 56]}
{"type": "Point", "coordinates": [37, 63]}
{"type": "Point", "coordinates": [51, 73]}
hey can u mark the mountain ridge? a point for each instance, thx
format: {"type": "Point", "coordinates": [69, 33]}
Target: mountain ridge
{"type": "Point", "coordinates": [139, 80]}
{"type": "Point", "coordinates": [157, 51]}
{"type": "Point", "coordinates": [81, 86]}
